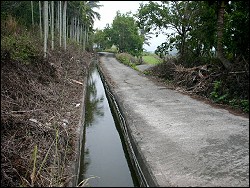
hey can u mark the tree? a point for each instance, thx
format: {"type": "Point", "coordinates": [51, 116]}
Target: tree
{"type": "Point", "coordinates": [32, 12]}
{"type": "Point", "coordinates": [40, 19]}
{"type": "Point", "coordinates": [102, 39]}
{"type": "Point", "coordinates": [52, 25]}
{"type": "Point", "coordinates": [81, 15]}
{"type": "Point", "coordinates": [60, 23]}
{"type": "Point", "coordinates": [45, 21]}
{"type": "Point", "coordinates": [178, 16]}
{"type": "Point", "coordinates": [220, 28]}
{"type": "Point", "coordinates": [236, 26]}
{"type": "Point", "coordinates": [64, 24]}
{"type": "Point", "coordinates": [125, 35]}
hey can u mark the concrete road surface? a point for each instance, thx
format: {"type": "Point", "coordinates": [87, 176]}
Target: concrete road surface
{"type": "Point", "coordinates": [180, 141]}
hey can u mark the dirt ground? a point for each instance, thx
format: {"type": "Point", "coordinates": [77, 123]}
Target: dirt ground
{"type": "Point", "coordinates": [40, 110]}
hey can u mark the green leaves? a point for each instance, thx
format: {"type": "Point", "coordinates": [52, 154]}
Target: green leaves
{"type": "Point", "coordinates": [124, 33]}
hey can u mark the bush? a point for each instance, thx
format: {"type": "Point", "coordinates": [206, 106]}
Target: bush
{"type": "Point", "coordinates": [127, 59]}
{"type": "Point", "coordinates": [18, 42]}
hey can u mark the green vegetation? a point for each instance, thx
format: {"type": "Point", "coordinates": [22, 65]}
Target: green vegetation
{"type": "Point", "coordinates": [113, 49]}
{"type": "Point", "coordinates": [123, 33]}
{"type": "Point", "coordinates": [19, 46]}
{"type": "Point", "coordinates": [151, 59]}
{"type": "Point", "coordinates": [218, 96]}
{"type": "Point", "coordinates": [127, 59]}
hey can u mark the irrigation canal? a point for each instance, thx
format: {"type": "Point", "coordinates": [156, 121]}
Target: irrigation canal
{"type": "Point", "coordinates": [104, 157]}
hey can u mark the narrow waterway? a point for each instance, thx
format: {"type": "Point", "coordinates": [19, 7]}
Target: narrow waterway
{"type": "Point", "coordinates": [104, 158]}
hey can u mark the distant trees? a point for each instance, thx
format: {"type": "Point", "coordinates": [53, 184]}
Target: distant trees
{"type": "Point", "coordinates": [101, 39]}
{"type": "Point", "coordinates": [124, 33]}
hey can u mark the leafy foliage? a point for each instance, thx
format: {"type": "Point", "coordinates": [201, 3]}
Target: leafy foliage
{"type": "Point", "coordinates": [127, 59]}
{"type": "Point", "coordinates": [194, 27]}
{"type": "Point", "coordinates": [123, 33]}
{"type": "Point", "coordinates": [17, 42]}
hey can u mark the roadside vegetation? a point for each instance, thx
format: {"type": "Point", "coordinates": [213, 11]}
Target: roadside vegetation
{"type": "Point", "coordinates": [128, 59]}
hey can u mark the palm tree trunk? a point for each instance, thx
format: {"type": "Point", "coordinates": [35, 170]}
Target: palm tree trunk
{"type": "Point", "coordinates": [40, 23]}
{"type": "Point", "coordinates": [58, 17]}
{"type": "Point", "coordinates": [32, 13]}
{"type": "Point", "coordinates": [60, 23]}
{"type": "Point", "coordinates": [84, 38]}
{"type": "Point", "coordinates": [220, 27]}
{"type": "Point", "coordinates": [64, 25]}
{"type": "Point", "coordinates": [45, 21]}
{"type": "Point", "coordinates": [52, 25]}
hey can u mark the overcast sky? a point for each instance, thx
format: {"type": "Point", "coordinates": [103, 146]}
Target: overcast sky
{"type": "Point", "coordinates": [108, 12]}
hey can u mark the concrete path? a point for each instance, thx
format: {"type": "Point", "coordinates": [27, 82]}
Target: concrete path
{"type": "Point", "coordinates": [144, 67]}
{"type": "Point", "coordinates": [181, 141]}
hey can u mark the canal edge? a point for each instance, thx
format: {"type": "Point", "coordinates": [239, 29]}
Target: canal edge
{"type": "Point", "coordinates": [75, 163]}
{"type": "Point", "coordinates": [139, 162]}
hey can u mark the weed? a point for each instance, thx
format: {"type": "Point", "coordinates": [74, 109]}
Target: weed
{"type": "Point", "coordinates": [127, 59]}
{"type": "Point", "coordinates": [20, 48]}
{"type": "Point", "coordinates": [215, 94]}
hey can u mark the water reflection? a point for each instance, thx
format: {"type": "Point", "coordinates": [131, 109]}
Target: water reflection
{"type": "Point", "coordinates": [103, 156]}
{"type": "Point", "coordinates": [94, 106]}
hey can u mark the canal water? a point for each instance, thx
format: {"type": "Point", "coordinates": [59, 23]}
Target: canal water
{"type": "Point", "coordinates": [104, 158]}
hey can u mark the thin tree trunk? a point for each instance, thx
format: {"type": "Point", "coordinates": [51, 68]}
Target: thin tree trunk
{"type": "Point", "coordinates": [84, 38]}
{"type": "Point", "coordinates": [75, 29]}
{"type": "Point", "coordinates": [220, 27]}
{"type": "Point", "coordinates": [49, 18]}
{"type": "Point", "coordinates": [60, 23]}
{"type": "Point", "coordinates": [58, 16]}
{"type": "Point", "coordinates": [87, 35]}
{"type": "Point", "coordinates": [32, 13]}
{"type": "Point", "coordinates": [81, 35]}
{"type": "Point", "coordinates": [67, 27]}
{"type": "Point", "coordinates": [52, 25]}
{"type": "Point", "coordinates": [64, 24]}
{"type": "Point", "coordinates": [45, 21]}
{"type": "Point", "coordinates": [40, 23]}
{"type": "Point", "coordinates": [78, 31]}
{"type": "Point", "coordinates": [71, 28]}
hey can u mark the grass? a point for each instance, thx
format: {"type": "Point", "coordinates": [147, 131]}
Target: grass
{"type": "Point", "coordinates": [150, 58]}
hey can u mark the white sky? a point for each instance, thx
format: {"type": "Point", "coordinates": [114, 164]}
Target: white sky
{"type": "Point", "coordinates": [108, 13]}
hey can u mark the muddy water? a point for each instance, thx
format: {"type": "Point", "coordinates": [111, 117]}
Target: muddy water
{"type": "Point", "coordinates": [104, 158]}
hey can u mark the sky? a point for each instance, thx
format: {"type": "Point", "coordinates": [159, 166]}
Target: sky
{"type": "Point", "coordinates": [108, 13]}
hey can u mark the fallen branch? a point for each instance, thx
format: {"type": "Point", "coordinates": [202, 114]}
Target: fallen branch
{"type": "Point", "coordinates": [238, 72]}
{"type": "Point", "coordinates": [76, 81]}
{"type": "Point", "coordinates": [25, 111]}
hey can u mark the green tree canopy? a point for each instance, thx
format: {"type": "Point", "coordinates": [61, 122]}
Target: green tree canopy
{"type": "Point", "coordinates": [124, 33]}
{"type": "Point", "coordinates": [195, 28]}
